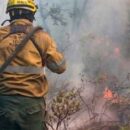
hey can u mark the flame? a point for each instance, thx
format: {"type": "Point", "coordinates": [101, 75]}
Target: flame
{"type": "Point", "coordinates": [117, 51]}
{"type": "Point", "coordinates": [108, 94]}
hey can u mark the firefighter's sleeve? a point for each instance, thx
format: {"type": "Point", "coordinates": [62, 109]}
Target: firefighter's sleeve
{"type": "Point", "coordinates": [54, 59]}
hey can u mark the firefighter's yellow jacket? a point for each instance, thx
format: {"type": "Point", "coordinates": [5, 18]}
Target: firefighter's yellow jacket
{"type": "Point", "coordinates": [24, 76]}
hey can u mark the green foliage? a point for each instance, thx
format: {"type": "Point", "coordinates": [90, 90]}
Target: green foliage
{"type": "Point", "coordinates": [125, 128]}
{"type": "Point", "coordinates": [63, 106]}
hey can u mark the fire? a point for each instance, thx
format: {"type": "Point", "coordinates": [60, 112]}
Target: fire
{"type": "Point", "coordinates": [108, 94]}
{"type": "Point", "coordinates": [117, 51]}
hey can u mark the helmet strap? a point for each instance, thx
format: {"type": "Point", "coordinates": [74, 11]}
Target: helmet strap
{"type": "Point", "coordinates": [7, 20]}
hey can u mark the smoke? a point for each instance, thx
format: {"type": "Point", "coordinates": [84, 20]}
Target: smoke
{"type": "Point", "coordinates": [93, 42]}
{"type": "Point", "coordinates": [3, 10]}
{"type": "Point", "coordinates": [95, 39]}
{"type": "Point", "coordinates": [101, 32]}
{"type": "Point", "coordinates": [99, 38]}
{"type": "Point", "coordinates": [94, 34]}
{"type": "Point", "coordinates": [96, 31]}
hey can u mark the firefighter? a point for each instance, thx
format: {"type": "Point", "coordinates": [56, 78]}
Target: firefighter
{"type": "Point", "coordinates": [23, 83]}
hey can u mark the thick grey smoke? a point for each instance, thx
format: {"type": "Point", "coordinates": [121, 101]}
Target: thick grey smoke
{"type": "Point", "coordinates": [94, 36]}
{"type": "Point", "coordinates": [95, 39]}
{"type": "Point", "coordinates": [101, 35]}
{"type": "Point", "coordinates": [104, 27]}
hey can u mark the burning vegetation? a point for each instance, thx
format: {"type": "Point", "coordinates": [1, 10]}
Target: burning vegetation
{"type": "Point", "coordinates": [95, 40]}
{"type": "Point", "coordinates": [104, 109]}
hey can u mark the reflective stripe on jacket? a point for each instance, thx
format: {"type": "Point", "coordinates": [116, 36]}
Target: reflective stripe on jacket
{"type": "Point", "coordinates": [24, 75]}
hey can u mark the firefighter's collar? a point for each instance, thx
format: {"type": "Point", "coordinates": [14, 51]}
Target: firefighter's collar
{"type": "Point", "coordinates": [21, 22]}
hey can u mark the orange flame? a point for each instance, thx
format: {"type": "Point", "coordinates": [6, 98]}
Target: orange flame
{"type": "Point", "coordinates": [108, 94]}
{"type": "Point", "coordinates": [117, 51]}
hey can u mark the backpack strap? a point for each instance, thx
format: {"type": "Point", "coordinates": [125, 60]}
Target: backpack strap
{"type": "Point", "coordinates": [19, 47]}
{"type": "Point", "coordinates": [14, 29]}
{"type": "Point", "coordinates": [25, 29]}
